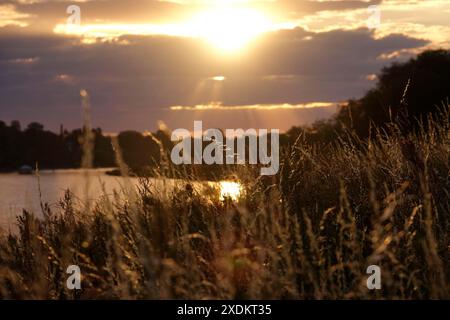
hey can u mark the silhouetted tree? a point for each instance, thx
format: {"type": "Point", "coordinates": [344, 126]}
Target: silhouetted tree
{"type": "Point", "coordinates": [49, 150]}
{"type": "Point", "coordinates": [404, 90]}
{"type": "Point", "coordinates": [103, 151]}
{"type": "Point", "coordinates": [15, 125]}
{"type": "Point", "coordinates": [139, 151]}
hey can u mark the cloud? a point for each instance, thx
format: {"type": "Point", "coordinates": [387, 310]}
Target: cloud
{"type": "Point", "coordinates": [420, 19]}
{"type": "Point", "coordinates": [284, 106]}
{"type": "Point", "coordinates": [110, 19]}
{"type": "Point", "coordinates": [160, 15]}
{"type": "Point", "coordinates": [134, 83]}
{"type": "Point", "coordinates": [9, 16]}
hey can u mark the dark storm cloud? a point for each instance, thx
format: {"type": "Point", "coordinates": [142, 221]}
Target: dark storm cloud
{"type": "Point", "coordinates": [134, 85]}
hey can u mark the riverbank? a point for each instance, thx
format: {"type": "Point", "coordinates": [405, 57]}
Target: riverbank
{"type": "Point", "coordinates": [311, 232]}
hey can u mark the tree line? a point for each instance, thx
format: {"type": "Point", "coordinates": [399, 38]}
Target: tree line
{"type": "Point", "coordinates": [34, 145]}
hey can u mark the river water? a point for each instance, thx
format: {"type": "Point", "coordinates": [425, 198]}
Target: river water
{"type": "Point", "coordinates": [18, 192]}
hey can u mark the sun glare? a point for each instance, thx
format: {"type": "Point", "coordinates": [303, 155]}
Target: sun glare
{"type": "Point", "coordinates": [230, 29]}
{"type": "Point", "coordinates": [227, 28]}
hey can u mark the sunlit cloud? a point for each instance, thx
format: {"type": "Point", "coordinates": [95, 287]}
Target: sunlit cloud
{"type": "Point", "coordinates": [184, 54]}
{"type": "Point", "coordinates": [113, 31]}
{"type": "Point", "coordinates": [210, 19]}
{"type": "Point", "coordinates": [420, 19]}
{"type": "Point", "coordinates": [24, 60]}
{"type": "Point", "coordinates": [64, 78]}
{"type": "Point", "coordinates": [217, 2]}
{"type": "Point", "coordinates": [401, 54]}
{"type": "Point", "coordinates": [284, 106]}
{"type": "Point", "coordinates": [227, 29]}
{"type": "Point", "coordinates": [218, 78]}
{"type": "Point", "coordinates": [9, 16]}
{"type": "Point", "coordinates": [280, 77]}
{"type": "Point", "coordinates": [372, 77]}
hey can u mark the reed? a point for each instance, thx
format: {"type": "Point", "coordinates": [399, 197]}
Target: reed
{"type": "Point", "coordinates": [308, 233]}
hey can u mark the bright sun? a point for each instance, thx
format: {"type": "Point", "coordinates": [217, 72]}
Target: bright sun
{"type": "Point", "coordinates": [227, 28]}
{"type": "Point", "coordinates": [230, 29]}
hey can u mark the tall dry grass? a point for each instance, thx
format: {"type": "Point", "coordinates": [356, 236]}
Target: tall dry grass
{"type": "Point", "coordinates": [308, 233]}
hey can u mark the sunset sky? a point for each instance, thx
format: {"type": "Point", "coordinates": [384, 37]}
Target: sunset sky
{"type": "Point", "coordinates": [254, 63]}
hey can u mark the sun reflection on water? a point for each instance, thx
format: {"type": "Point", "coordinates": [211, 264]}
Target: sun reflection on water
{"type": "Point", "coordinates": [230, 190]}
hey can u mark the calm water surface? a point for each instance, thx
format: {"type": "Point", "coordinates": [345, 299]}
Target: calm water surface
{"type": "Point", "coordinates": [18, 192]}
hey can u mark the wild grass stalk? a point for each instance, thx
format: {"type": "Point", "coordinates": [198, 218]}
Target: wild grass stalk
{"type": "Point", "coordinates": [309, 233]}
